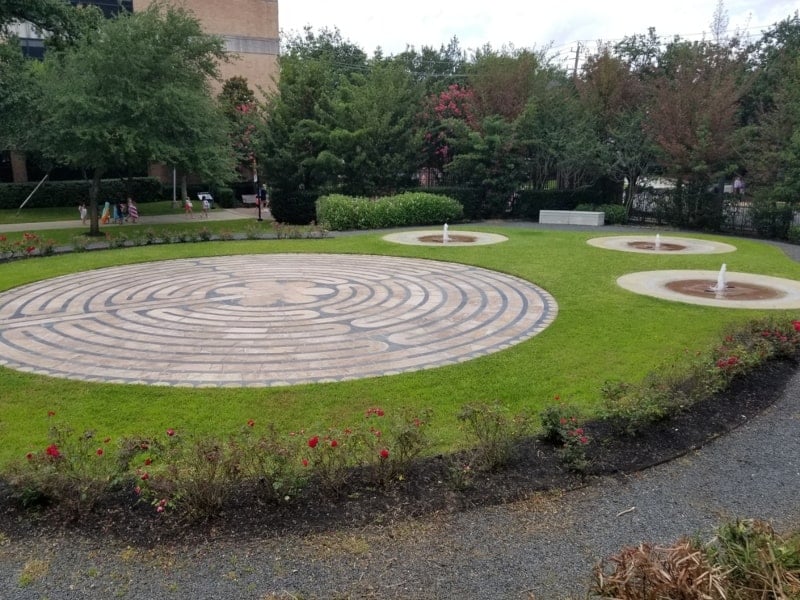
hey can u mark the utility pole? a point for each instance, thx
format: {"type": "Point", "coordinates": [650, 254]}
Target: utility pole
{"type": "Point", "coordinates": [577, 56]}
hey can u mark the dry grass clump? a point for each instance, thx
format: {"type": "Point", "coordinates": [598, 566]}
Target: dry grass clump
{"type": "Point", "coordinates": [746, 560]}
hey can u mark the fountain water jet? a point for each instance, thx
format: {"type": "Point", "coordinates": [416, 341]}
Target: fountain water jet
{"type": "Point", "coordinates": [445, 236]}
{"type": "Point", "coordinates": [721, 285]}
{"type": "Point", "coordinates": [658, 242]}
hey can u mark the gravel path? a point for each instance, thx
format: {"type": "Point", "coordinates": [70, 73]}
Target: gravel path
{"type": "Point", "coordinates": [543, 547]}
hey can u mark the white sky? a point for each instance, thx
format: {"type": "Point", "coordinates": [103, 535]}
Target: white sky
{"type": "Point", "coordinates": [523, 23]}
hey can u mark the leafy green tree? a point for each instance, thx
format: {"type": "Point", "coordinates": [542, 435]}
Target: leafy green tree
{"type": "Point", "coordinates": [772, 144]}
{"type": "Point", "coordinates": [558, 140]}
{"type": "Point", "coordinates": [372, 139]}
{"type": "Point", "coordinates": [135, 91]}
{"type": "Point", "coordinates": [294, 144]}
{"type": "Point", "coordinates": [62, 21]}
{"type": "Point", "coordinates": [489, 159]}
{"type": "Point", "coordinates": [63, 24]}
{"type": "Point", "coordinates": [435, 69]}
{"type": "Point", "coordinates": [17, 96]}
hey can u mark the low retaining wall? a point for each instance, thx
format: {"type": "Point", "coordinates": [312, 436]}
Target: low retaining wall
{"type": "Point", "coordinates": [572, 217]}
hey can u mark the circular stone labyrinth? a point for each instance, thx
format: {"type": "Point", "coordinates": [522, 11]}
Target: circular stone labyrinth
{"type": "Point", "coordinates": [435, 238]}
{"type": "Point", "coordinates": [743, 290]}
{"type": "Point", "coordinates": [666, 244]}
{"type": "Point", "coordinates": [265, 320]}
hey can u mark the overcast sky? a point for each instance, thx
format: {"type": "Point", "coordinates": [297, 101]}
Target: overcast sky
{"type": "Point", "coordinates": [523, 23]}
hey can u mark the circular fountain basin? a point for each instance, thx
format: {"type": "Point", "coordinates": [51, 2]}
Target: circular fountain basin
{"type": "Point", "coordinates": [664, 245]}
{"type": "Point", "coordinates": [742, 290]}
{"type": "Point", "coordinates": [436, 238]}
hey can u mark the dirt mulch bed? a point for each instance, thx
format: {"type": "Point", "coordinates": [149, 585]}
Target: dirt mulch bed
{"type": "Point", "coordinates": [428, 488]}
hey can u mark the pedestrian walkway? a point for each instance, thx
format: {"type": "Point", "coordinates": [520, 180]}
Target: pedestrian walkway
{"type": "Point", "coordinates": [217, 214]}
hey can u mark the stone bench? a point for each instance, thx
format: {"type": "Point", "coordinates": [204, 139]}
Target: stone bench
{"type": "Point", "coordinates": [248, 199]}
{"type": "Point", "coordinates": [572, 217]}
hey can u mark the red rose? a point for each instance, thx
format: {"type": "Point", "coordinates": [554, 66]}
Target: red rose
{"type": "Point", "coordinates": [250, 422]}
{"type": "Point", "coordinates": [99, 452]}
{"type": "Point", "coordinates": [170, 432]}
{"type": "Point", "coordinates": [384, 453]}
{"type": "Point", "coordinates": [53, 451]}
{"type": "Point", "coordinates": [312, 443]}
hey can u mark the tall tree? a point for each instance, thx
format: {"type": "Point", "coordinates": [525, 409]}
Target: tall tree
{"type": "Point", "coordinates": [502, 83]}
{"type": "Point", "coordinates": [238, 104]}
{"type": "Point", "coordinates": [371, 136]}
{"type": "Point", "coordinates": [616, 95]}
{"type": "Point", "coordinates": [292, 143]}
{"type": "Point", "coordinates": [694, 111]}
{"type": "Point", "coordinates": [135, 91]}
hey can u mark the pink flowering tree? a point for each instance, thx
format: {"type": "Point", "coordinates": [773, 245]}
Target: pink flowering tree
{"type": "Point", "coordinates": [443, 115]}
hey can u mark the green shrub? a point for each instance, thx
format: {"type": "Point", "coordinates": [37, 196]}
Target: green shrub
{"type": "Point", "coordinates": [296, 207]}
{"type": "Point", "coordinates": [496, 432]}
{"type": "Point", "coordinates": [757, 561]}
{"type": "Point", "coordinates": [614, 214]}
{"type": "Point", "coordinates": [557, 419]}
{"type": "Point", "coordinates": [793, 234]}
{"type": "Point", "coordinates": [339, 213]}
{"type": "Point", "coordinates": [772, 220]}
{"type": "Point", "coordinates": [224, 197]}
{"type": "Point", "coordinates": [73, 471]}
{"type": "Point", "coordinates": [675, 387]}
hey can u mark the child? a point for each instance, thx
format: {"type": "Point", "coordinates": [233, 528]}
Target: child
{"type": "Point", "coordinates": [206, 206]}
{"type": "Point", "coordinates": [133, 211]}
{"type": "Point", "coordinates": [83, 212]}
{"type": "Point", "coordinates": [187, 207]}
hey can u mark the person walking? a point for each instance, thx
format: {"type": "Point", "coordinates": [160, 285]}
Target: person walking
{"type": "Point", "coordinates": [133, 211]}
{"type": "Point", "coordinates": [188, 207]}
{"type": "Point", "coordinates": [83, 212]}
{"type": "Point", "coordinates": [206, 206]}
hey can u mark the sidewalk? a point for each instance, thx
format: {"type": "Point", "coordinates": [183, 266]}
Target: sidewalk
{"type": "Point", "coordinates": [217, 214]}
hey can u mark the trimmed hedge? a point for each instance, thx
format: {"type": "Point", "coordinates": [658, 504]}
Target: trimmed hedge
{"type": "Point", "coordinates": [338, 213]}
{"type": "Point", "coordinates": [71, 193]}
{"type": "Point", "coordinates": [293, 208]}
{"type": "Point", "coordinates": [614, 213]}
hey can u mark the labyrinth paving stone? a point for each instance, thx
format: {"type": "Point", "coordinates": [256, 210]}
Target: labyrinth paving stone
{"type": "Point", "coordinates": [265, 320]}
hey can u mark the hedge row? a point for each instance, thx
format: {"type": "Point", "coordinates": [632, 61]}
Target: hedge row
{"type": "Point", "coordinates": [338, 213]}
{"type": "Point", "coordinates": [71, 193]}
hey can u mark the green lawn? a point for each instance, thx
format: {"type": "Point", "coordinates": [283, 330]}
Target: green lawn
{"type": "Point", "coordinates": [602, 332]}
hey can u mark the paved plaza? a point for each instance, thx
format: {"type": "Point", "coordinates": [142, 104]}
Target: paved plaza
{"type": "Point", "coordinates": [265, 320]}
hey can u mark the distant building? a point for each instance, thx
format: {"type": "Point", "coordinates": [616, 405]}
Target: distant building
{"type": "Point", "coordinates": [248, 27]}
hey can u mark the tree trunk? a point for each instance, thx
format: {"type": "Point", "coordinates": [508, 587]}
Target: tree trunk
{"type": "Point", "coordinates": [184, 193]}
{"type": "Point", "coordinates": [94, 191]}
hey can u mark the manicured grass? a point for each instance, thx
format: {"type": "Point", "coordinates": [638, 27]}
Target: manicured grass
{"type": "Point", "coordinates": [602, 332]}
